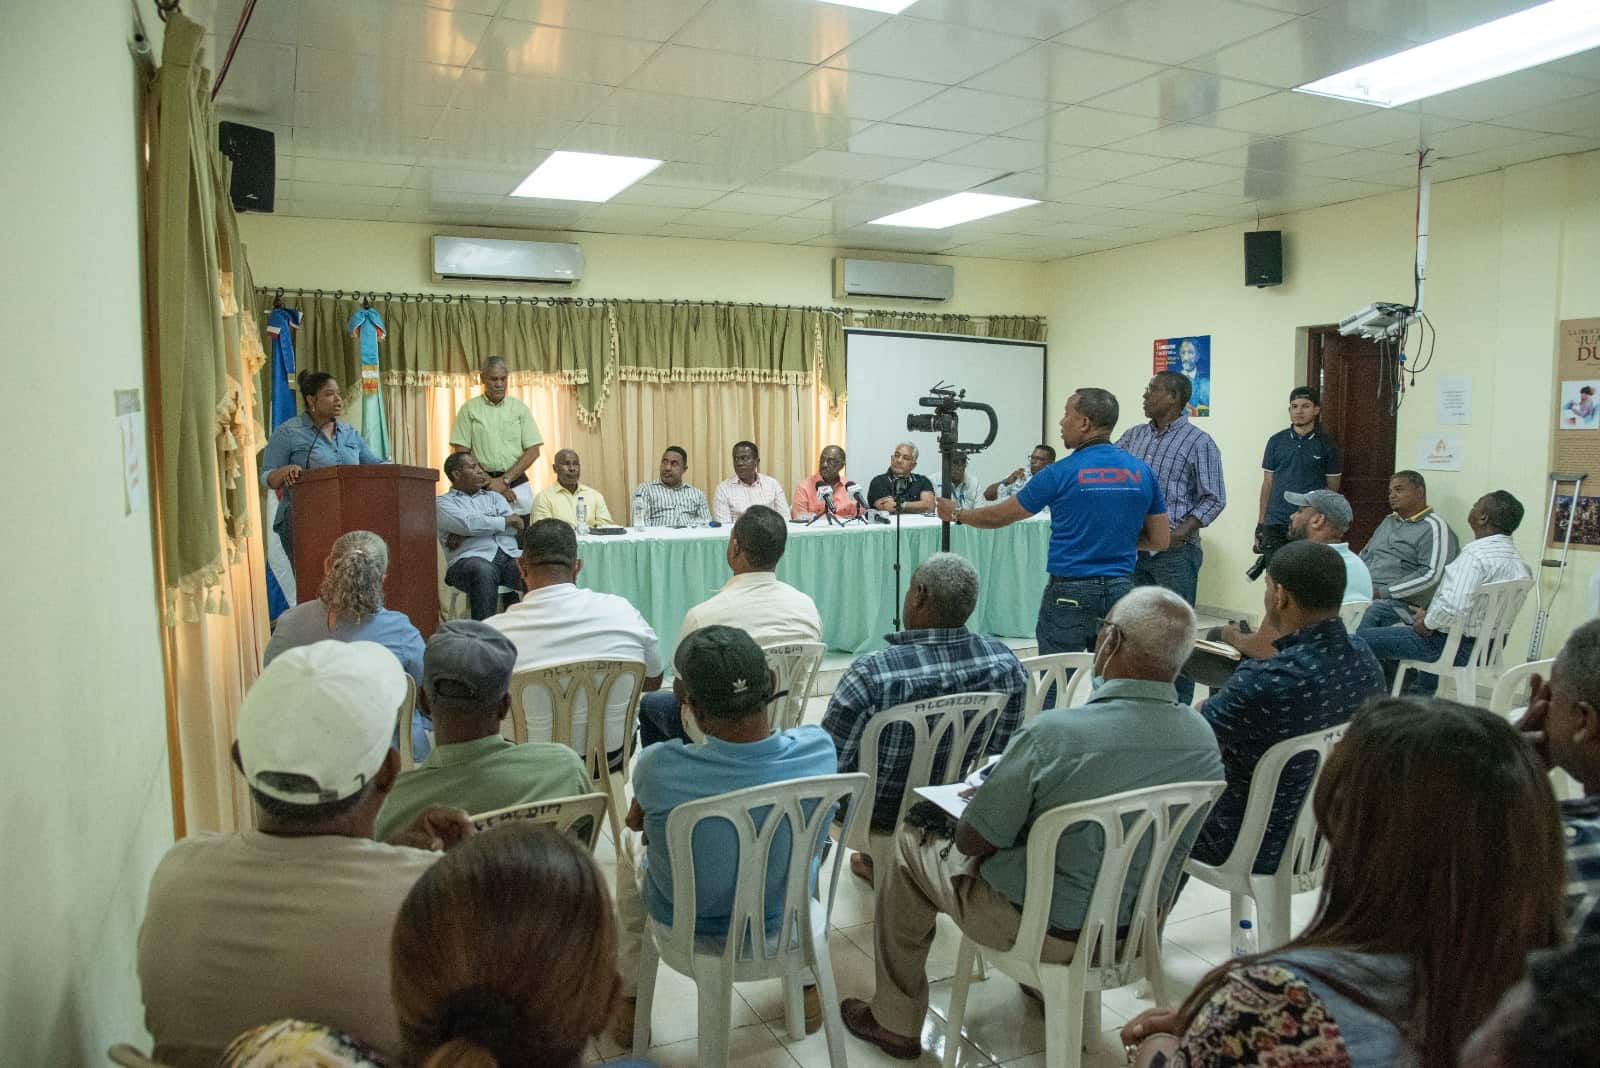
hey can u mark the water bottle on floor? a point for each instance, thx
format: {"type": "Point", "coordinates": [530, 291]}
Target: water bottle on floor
{"type": "Point", "coordinates": [638, 509]}
{"type": "Point", "coordinates": [1244, 939]}
{"type": "Point", "coordinates": [583, 516]}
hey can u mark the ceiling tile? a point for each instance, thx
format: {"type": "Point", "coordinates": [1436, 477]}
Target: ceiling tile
{"type": "Point", "coordinates": [314, 110]}
{"type": "Point", "coordinates": [1301, 51]}
{"type": "Point", "coordinates": [260, 85]}
{"type": "Point", "coordinates": [1419, 22]}
{"type": "Point", "coordinates": [1041, 19]}
{"type": "Point", "coordinates": [304, 193]}
{"type": "Point", "coordinates": [761, 203]}
{"type": "Point", "coordinates": [373, 77]}
{"type": "Point", "coordinates": [1579, 113]}
{"type": "Point", "coordinates": [1184, 140]}
{"type": "Point", "coordinates": [1286, 112]}
{"type": "Point", "coordinates": [948, 177]}
{"type": "Point", "coordinates": [665, 196]}
{"type": "Point", "coordinates": [1177, 95]}
{"type": "Point", "coordinates": [1061, 74]}
{"type": "Point", "coordinates": [697, 176]}
{"type": "Point", "coordinates": [349, 172]}
{"type": "Point", "coordinates": [732, 220]}
{"type": "Point", "coordinates": [1275, 154]}
{"type": "Point", "coordinates": [973, 112]}
{"type": "Point", "coordinates": [634, 141]}
{"type": "Point", "coordinates": [852, 93]}
{"type": "Point", "coordinates": [1106, 165]}
{"type": "Point", "coordinates": [717, 75]}
{"type": "Point", "coordinates": [1359, 163]}
{"type": "Point", "coordinates": [654, 20]}
{"type": "Point", "coordinates": [277, 23]}
{"type": "Point", "coordinates": [1502, 96]}
{"type": "Point", "coordinates": [1042, 185]}
{"type": "Point", "coordinates": [678, 114]}
{"type": "Point", "coordinates": [1003, 153]}
{"type": "Point", "coordinates": [1118, 195]}
{"type": "Point", "coordinates": [788, 231]}
{"type": "Point", "coordinates": [1380, 127]}
{"type": "Point", "coordinates": [907, 142]}
{"type": "Point", "coordinates": [556, 52]}
{"type": "Point", "coordinates": [1173, 31]}
{"type": "Point", "coordinates": [362, 27]}
{"type": "Point", "coordinates": [787, 184]}
{"type": "Point", "coordinates": [483, 137]}
{"type": "Point", "coordinates": [830, 164]}
{"type": "Point", "coordinates": [767, 138]}
{"type": "Point", "coordinates": [1201, 203]}
{"type": "Point", "coordinates": [1085, 127]}
{"type": "Point", "coordinates": [516, 96]}
{"type": "Point", "coordinates": [1185, 174]}
{"type": "Point", "coordinates": [929, 51]}
{"type": "Point", "coordinates": [777, 29]}
{"type": "Point", "coordinates": [648, 216]}
{"type": "Point", "coordinates": [1462, 140]}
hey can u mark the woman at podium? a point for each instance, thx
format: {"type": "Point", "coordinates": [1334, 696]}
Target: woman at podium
{"type": "Point", "coordinates": [315, 438]}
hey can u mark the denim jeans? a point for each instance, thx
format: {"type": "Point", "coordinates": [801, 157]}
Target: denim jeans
{"type": "Point", "coordinates": [1070, 610]}
{"type": "Point", "coordinates": [1176, 569]}
{"type": "Point", "coordinates": [659, 717]}
{"type": "Point", "coordinates": [1393, 644]}
{"type": "Point", "coordinates": [481, 580]}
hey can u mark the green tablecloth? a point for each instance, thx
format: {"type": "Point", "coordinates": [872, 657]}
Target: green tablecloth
{"type": "Point", "coordinates": [849, 572]}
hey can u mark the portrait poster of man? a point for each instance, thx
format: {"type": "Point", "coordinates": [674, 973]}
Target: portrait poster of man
{"type": "Point", "coordinates": [1192, 357]}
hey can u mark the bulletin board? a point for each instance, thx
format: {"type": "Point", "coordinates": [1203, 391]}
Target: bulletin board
{"type": "Point", "coordinates": [1575, 430]}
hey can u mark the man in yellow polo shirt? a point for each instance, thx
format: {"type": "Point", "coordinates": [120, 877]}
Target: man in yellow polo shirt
{"type": "Point", "coordinates": [561, 500]}
{"type": "Point", "coordinates": [498, 430]}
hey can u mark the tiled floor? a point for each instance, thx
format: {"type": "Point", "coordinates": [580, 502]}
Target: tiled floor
{"type": "Point", "coordinates": [1002, 1026]}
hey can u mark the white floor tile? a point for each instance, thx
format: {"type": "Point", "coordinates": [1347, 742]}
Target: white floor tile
{"type": "Point", "coordinates": [1183, 971]}
{"type": "Point", "coordinates": [675, 1016]}
{"type": "Point", "coordinates": [1001, 1021]}
{"type": "Point", "coordinates": [813, 1052]}
{"type": "Point", "coordinates": [1207, 937]}
{"type": "Point", "coordinates": [754, 1046]}
{"type": "Point", "coordinates": [1105, 1052]}
{"type": "Point", "coordinates": [1199, 899]}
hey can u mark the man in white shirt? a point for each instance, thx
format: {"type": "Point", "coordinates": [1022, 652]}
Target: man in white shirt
{"type": "Point", "coordinates": [479, 533]}
{"type": "Point", "coordinates": [557, 621]}
{"type": "Point", "coordinates": [747, 488]}
{"type": "Point", "coordinates": [292, 919]}
{"type": "Point", "coordinates": [1323, 516]}
{"type": "Point", "coordinates": [1489, 557]}
{"type": "Point", "coordinates": [770, 611]}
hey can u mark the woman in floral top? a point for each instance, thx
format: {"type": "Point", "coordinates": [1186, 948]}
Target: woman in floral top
{"type": "Point", "coordinates": [1445, 870]}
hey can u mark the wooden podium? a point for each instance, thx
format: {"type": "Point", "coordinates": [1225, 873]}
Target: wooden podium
{"type": "Point", "coordinates": [393, 501]}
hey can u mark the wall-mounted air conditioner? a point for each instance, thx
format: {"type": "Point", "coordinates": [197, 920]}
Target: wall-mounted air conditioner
{"type": "Point", "coordinates": [489, 259]}
{"type": "Point", "coordinates": [892, 278]}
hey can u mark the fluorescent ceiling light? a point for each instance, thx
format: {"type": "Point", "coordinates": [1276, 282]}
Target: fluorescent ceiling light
{"type": "Point", "coordinates": [584, 176]}
{"type": "Point", "coordinates": [953, 210]}
{"type": "Point", "coordinates": [888, 7]}
{"type": "Point", "coordinates": [1537, 35]}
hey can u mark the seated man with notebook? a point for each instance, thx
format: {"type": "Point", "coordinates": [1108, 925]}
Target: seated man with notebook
{"type": "Point", "coordinates": [1132, 734]}
{"type": "Point", "coordinates": [1317, 679]}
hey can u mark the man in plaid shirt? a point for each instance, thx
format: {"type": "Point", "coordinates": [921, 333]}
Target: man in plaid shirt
{"type": "Point", "coordinates": [1563, 721]}
{"type": "Point", "coordinates": [934, 656]}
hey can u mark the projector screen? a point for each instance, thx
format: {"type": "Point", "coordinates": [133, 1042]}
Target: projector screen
{"type": "Point", "coordinates": [886, 373]}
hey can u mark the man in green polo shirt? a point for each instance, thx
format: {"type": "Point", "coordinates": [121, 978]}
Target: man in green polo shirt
{"type": "Point", "coordinates": [498, 430]}
{"type": "Point", "coordinates": [466, 679]}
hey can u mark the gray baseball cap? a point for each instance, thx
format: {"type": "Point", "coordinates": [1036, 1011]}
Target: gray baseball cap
{"type": "Point", "coordinates": [466, 666]}
{"type": "Point", "coordinates": [1330, 504]}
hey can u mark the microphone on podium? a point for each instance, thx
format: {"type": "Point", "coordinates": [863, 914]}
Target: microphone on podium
{"type": "Point", "coordinates": [853, 491]}
{"type": "Point", "coordinates": [825, 491]}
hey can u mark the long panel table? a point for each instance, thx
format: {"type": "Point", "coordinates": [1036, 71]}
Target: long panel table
{"type": "Point", "coordinates": [848, 571]}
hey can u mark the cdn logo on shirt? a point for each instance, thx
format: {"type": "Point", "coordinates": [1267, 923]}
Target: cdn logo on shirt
{"type": "Point", "coordinates": [1107, 476]}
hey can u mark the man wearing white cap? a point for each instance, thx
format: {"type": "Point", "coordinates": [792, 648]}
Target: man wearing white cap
{"type": "Point", "coordinates": [292, 919]}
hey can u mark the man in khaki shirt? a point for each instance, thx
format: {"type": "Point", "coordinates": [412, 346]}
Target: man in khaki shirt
{"type": "Point", "coordinates": [292, 919]}
{"type": "Point", "coordinates": [561, 500]}
{"type": "Point", "coordinates": [498, 430]}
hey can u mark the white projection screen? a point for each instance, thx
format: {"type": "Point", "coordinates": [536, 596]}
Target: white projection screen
{"type": "Point", "coordinates": [887, 372]}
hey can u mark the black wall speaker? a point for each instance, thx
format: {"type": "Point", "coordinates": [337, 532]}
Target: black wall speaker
{"type": "Point", "coordinates": [255, 166]}
{"type": "Point", "coordinates": [1263, 258]}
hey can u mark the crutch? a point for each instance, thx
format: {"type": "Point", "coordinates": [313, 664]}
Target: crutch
{"type": "Point", "coordinates": [1541, 609]}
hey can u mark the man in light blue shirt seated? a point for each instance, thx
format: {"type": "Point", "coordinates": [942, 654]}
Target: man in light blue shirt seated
{"type": "Point", "coordinates": [479, 533]}
{"type": "Point", "coordinates": [1132, 734]}
{"type": "Point", "coordinates": [721, 677]}
{"type": "Point", "coordinates": [1324, 516]}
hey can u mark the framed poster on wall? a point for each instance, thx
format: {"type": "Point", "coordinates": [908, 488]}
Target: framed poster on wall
{"type": "Point", "coordinates": [1574, 417]}
{"type": "Point", "coordinates": [1191, 357]}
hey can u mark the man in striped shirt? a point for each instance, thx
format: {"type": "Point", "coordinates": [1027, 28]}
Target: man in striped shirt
{"type": "Point", "coordinates": [669, 501]}
{"type": "Point", "coordinates": [1188, 465]}
{"type": "Point", "coordinates": [1407, 554]}
{"type": "Point", "coordinates": [1490, 557]}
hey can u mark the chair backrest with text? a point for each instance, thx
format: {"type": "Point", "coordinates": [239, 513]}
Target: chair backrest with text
{"type": "Point", "coordinates": [408, 705]}
{"type": "Point", "coordinates": [795, 664]}
{"type": "Point", "coordinates": [578, 816]}
{"type": "Point", "coordinates": [949, 737]}
{"type": "Point", "coordinates": [1305, 854]}
{"type": "Point", "coordinates": [567, 703]}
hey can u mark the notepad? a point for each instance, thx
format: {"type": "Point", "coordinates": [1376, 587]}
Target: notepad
{"type": "Point", "coordinates": [948, 796]}
{"type": "Point", "coordinates": [1223, 649]}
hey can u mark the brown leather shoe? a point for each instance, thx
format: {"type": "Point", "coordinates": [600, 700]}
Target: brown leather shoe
{"type": "Point", "coordinates": [621, 1029]}
{"type": "Point", "coordinates": [858, 1019]}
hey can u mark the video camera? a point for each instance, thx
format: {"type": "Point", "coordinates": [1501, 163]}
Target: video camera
{"type": "Point", "coordinates": [945, 402]}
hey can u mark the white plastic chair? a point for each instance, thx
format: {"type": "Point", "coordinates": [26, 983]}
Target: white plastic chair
{"type": "Point", "coordinates": [1305, 854]}
{"type": "Point", "coordinates": [129, 1057]}
{"type": "Point", "coordinates": [1511, 689]}
{"type": "Point", "coordinates": [1102, 961]}
{"type": "Point", "coordinates": [578, 816]}
{"type": "Point", "coordinates": [795, 664]}
{"type": "Point", "coordinates": [1491, 612]}
{"type": "Point", "coordinates": [558, 687]}
{"type": "Point", "coordinates": [1052, 670]}
{"type": "Point", "coordinates": [967, 720]}
{"type": "Point", "coordinates": [408, 706]}
{"type": "Point", "coordinates": [748, 952]}
{"type": "Point", "coordinates": [1351, 612]}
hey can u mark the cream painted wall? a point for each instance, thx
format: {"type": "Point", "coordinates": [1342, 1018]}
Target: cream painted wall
{"type": "Point", "coordinates": [1510, 253]}
{"type": "Point", "coordinates": [87, 806]}
{"type": "Point", "coordinates": [334, 254]}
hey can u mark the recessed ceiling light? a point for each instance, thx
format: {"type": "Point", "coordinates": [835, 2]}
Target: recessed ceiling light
{"type": "Point", "coordinates": [587, 176]}
{"type": "Point", "coordinates": [1528, 38]}
{"type": "Point", "coordinates": [888, 7]}
{"type": "Point", "coordinates": [952, 210]}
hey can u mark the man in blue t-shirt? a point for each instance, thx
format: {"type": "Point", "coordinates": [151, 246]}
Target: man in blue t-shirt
{"type": "Point", "coordinates": [721, 678]}
{"type": "Point", "coordinates": [1105, 506]}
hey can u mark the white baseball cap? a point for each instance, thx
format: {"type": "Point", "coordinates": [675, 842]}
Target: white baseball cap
{"type": "Point", "coordinates": [318, 723]}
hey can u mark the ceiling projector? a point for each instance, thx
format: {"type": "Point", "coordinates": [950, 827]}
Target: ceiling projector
{"type": "Point", "coordinates": [1378, 320]}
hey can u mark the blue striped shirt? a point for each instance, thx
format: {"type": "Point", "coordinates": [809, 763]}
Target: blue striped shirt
{"type": "Point", "coordinates": [1188, 465]}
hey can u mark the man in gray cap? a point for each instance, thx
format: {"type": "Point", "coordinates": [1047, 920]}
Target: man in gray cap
{"type": "Point", "coordinates": [292, 919]}
{"type": "Point", "coordinates": [1323, 516]}
{"type": "Point", "coordinates": [721, 677]}
{"type": "Point", "coordinates": [466, 680]}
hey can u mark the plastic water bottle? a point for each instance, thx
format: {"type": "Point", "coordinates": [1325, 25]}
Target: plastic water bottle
{"type": "Point", "coordinates": [583, 515]}
{"type": "Point", "coordinates": [1244, 939]}
{"type": "Point", "coordinates": [638, 509]}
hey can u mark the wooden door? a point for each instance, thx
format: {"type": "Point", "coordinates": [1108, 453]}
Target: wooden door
{"type": "Point", "coordinates": [1357, 385]}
